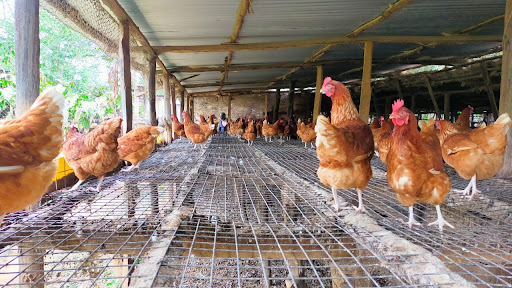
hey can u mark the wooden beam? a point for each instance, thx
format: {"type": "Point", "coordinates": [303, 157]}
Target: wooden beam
{"type": "Point", "coordinates": [26, 47]}
{"type": "Point", "coordinates": [366, 85]}
{"type": "Point", "coordinates": [291, 95]}
{"type": "Point", "coordinates": [173, 99]}
{"type": "Point", "coordinates": [280, 65]}
{"type": "Point", "coordinates": [447, 107]}
{"type": "Point", "coordinates": [126, 76]}
{"type": "Point", "coordinates": [277, 103]}
{"type": "Point", "coordinates": [399, 88]}
{"type": "Point", "coordinates": [234, 47]}
{"type": "Point", "coordinates": [490, 92]}
{"type": "Point", "coordinates": [152, 91]}
{"type": "Point", "coordinates": [200, 85]}
{"type": "Point", "coordinates": [506, 87]}
{"type": "Point", "coordinates": [432, 97]}
{"type": "Point", "coordinates": [245, 6]}
{"type": "Point", "coordinates": [387, 108]}
{"type": "Point", "coordinates": [318, 95]}
{"type": "Point", "coordinates": [481, 24]}
{"type": "Point", "coordinates": [413, 103]}
{"type": "Point", "coordinates": [188, 108]}
{"type": "Point", "coordinates": [229, 108]}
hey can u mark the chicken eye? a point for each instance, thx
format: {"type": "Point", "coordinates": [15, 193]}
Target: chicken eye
{"type": "Point", "coordinates": [402, 112]}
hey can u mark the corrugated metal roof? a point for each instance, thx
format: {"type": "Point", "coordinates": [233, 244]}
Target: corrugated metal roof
{"type": "Point", "coordinates": [195, 22]}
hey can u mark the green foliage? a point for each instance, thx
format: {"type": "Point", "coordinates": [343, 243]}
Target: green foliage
{"type": "Point", "coordinates": [67, 58]}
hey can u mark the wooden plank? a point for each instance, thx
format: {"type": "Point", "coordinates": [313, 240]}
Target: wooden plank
{"type": "Point", "coordinates": [26, 47]}
{"type": "Point", "coordinates": [488, 88]}
{"type": "Point", "coordinates": [506, 87]}
{"type": "Point", "coordinates": [200, 85]}
{"type": "Point", "coordinates": [277, 103]}
{"type": "Point", "coordinates": [291, 95]}
{"type": "Point", "coordinates": [318, 95]}
{"type": "Point", "coordinates": [126, 76]}
{"type": "Point", "coordinates": [152, 91]}
{"type": "Point", "coordinates": [366, 85]}
{"type": "Point", "coordinates": [447, 107]}
{"type": "Point", "coordinates": [229, 108]}
{"type": "Point", "coordinates": [425, 40]}
{"type": "Point", "coordinates": [432, 97]}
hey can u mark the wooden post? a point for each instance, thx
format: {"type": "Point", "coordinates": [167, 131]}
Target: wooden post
{"type": "Point", "coordinates": [266, 105]}
{"type": "Point", "coordinates": [167, 98]}
{"type": "Point", "coordinates": [182, 103]}
{"type": "Point", "coordinates": [506, 87]}
{"type": "Point", "coordinates": [191, 101]}
{"type": "Point", "coordinates": [291, 94]}
{"type": "Point", "coordinates": [152, 91]}
{"type": "Point", "coordinates": [490, 92]}
{"type": "Point", "coordinates": [173, 99]}
{"type": "Point", "coordinates": [318, 95]}
{"type": "Point", "coordinates": [447, 107]}
{"type": "Point", "coordinates": [413, 103]}
{"type": "Point", "coordinates": [188, 107]}
{"type": "Point", "coordinates": [229, 108]}
{"type": "Point", "coordinates": [275, 113]}
{"type": "Point", "coordinates": [387, 108]}
{"type": "Point", "coordinates": [366, 85]}
{"type": "Point", "coordinates": [432, 97]}
{"type": "Point", "coordinates": [126, 78]}
{"type": "Point", "coordinates": [376, 106]}
{"type": "Point", "coordinates": [399, 89]}
{"type": "Point", "coordinates": [26, 47]}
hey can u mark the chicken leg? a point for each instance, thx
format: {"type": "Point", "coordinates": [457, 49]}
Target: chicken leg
{"type": "Point", "coordinates": [440, 220]}
{"type": "Point", "coordinates": [75, 187]}
{"type": "Point", "coordinates": [312, 146]}
{"type": "Point", "coordinates": [360, 208]}
{"type": "Point", "coordinates": [471, 186]}
{"type": "Point", "coordinates": [97, 189]}
{"type": "Point", "coordinates": [1, 219]}
{"type": "Point", "coordinates": [305, 145]}
{"type": "Point", "coordinates": [412, 221]}
{"type": "Point", "coordinates": [133, 167]}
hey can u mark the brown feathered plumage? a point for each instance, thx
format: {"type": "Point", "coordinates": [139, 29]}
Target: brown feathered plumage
{"type": "Point", "coordinates": [137, 145]}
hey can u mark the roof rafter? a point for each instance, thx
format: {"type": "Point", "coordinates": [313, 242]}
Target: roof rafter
{"type": "Point", "coordinates": [245, 7]}
{"type": "Point", "coordinates": [390, 10]}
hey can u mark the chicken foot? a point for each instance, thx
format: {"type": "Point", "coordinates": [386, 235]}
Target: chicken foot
{"type": "Point", "coordinates": [440, 220]}
{"type": "Point", "coordinates": [471, 187]}
{"type": "Point", "coordinates": [360, 208]}
{"type": "Point", "coordinates": [412, 221]}
{"type": "Point", "coordinates": [97, 189]}
{"type": "Point", "coordinates": [305, 145]}
{"type": "Point", "coordinates": [312, 146]}
{"type": "Point", "coordinates": [1, 219]}
{"type": "Point", "coordinates": [75, 187]}
{"type": "Point", "coordinates": [133, 167]}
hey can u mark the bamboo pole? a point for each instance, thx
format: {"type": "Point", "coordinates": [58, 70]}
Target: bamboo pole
{"type": "Point", "coordinates": [318, 95]}
{"type": "Point", "coordinates": [126, 78]}
{"type": "Point", "coordinates": [366, 88]}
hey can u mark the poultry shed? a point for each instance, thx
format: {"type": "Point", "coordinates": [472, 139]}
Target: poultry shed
{"type": "Point", "coordinates": [227, 214]}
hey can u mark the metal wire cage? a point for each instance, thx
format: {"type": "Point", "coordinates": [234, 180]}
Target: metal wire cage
{"type": "Point", "coordinates": [230, 215]}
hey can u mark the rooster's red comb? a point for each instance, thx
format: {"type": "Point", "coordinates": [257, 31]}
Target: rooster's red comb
{"type": "Point", "coordinates": [326, 81]}
{"type": "Point", "coordinates": [398, 103]}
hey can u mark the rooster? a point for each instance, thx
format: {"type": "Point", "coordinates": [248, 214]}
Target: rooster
{"type": "Point", "coordinates": [415, 165]}
{"type": "Point", "coordinates": [475, 153]}
{"type": "Point", "coordinates": [344, 145]}
{"type": "Point", "coordinates": [94, 153]}
{"type": "Point", "coordinates": [137, 145]}
{"type": "Point", "coordinates": [28, 146]}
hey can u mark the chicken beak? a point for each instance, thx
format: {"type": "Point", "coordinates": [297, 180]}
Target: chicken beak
{"type": "Point", "coordinates": [392, 116]}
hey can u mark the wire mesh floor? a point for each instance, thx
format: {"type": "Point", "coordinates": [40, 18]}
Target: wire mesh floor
{"type": "Point", "coordinates": [230, 215]}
